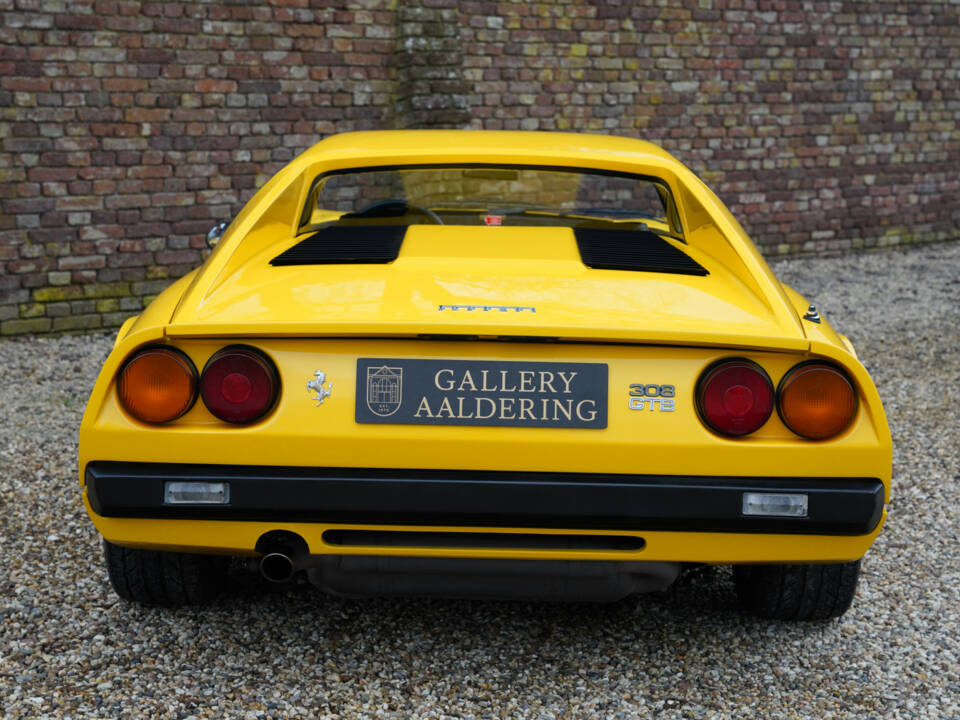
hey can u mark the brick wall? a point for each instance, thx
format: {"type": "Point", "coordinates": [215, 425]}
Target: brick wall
{"type": "Point", "coordinates": [128, 128]}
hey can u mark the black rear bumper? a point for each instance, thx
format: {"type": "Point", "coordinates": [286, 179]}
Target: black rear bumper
{"type": "Point", "coordinates": [837, 506]}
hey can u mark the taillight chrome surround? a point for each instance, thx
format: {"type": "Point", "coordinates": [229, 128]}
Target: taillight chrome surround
{"type": "Point", "coordinates": [734, 397]}
{"type": "Point", "coordinates": [239, 384]}
{"type": "Point", "coordinates": [149, 409]}
{"type": "Point", "coordinates": [822, 428]}
{"type": "Point", "coordinates": [810, 422]}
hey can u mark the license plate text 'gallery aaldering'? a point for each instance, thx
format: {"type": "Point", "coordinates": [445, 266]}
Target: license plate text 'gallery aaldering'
{"type": "Point", "coordinates": [470, 392]}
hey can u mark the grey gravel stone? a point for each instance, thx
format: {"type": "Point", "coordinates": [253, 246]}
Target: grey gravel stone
{"type": "Point", "coordinates": [69, 648]}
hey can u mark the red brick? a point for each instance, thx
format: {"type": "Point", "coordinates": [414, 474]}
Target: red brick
{"type": "Point", "coordinates": [89, 262]}
{"type": "Point", "coordinates": [78, 22]}
{"type": "Point", "coordinates": [216, 86]}
{"type": "Point", "coordinates": [192, 106]}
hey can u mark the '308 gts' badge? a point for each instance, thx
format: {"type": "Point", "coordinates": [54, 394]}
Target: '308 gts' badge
{"type": "Point", "coordinates": [316, 385]}
{"type": "Point", "coordinates": [653, 397]}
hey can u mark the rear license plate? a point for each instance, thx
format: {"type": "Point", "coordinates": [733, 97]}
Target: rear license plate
{"type": "Point", "coordinates": [481, 392]}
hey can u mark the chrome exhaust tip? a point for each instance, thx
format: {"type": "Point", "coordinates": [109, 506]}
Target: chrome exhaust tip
{"type": "Point", "coordinates": [277, 567]}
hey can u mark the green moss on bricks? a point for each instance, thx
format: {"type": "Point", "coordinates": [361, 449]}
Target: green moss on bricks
{"type": "Point", "coordinates": [115, 319]}
{"type": "Point", "coordinates": [149, 287]}
{"type": "Point", "coordinates": [82, 307]}
{"type": "Point", "coordinates": [32, 310]}
{"type": "Point", "coordinates": [157, 272]}
{"type": "Point", "coordinates": [22, 327]}
{"type": "Point", "coordinates": [108, 305]}
{"type": "Point", "coordinates": [54, 294]}
{"type": "Point", "coordinates": [77, 322]}
{"type": "Point", "coordinates": [106, 290]}
{"type": "Point", "coordinates": [60, 309]}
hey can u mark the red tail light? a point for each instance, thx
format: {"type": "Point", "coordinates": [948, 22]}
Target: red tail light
{"type": "Point", "coordinates": [239, 385]}
{"type": "Point", "coordinates": [735, 397]}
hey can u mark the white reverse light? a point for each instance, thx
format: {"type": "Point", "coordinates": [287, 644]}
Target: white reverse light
{"type": "Point", "coordinates": [194, 493]}
{"type": "Point", "coordinates": [775, 504]}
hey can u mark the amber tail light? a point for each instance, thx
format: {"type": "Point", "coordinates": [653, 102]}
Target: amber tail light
{"type": "Point", "coordinates": [816, 401]}
{"type": "Point", "coordinates": [157, 384]}
{"type": "Point", "coordinates": [735, 397]}
{"type": "Point", "coordinates": [239, 384]}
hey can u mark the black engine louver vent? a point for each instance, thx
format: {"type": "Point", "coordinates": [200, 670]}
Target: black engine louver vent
{"type": "Point", "coordinates": [633, 250]}
{"type": "Point", "coordinates": [346, 244]}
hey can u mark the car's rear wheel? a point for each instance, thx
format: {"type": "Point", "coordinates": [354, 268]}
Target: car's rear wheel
{"type": "Point", "coordinates": [797, 592]}
{"type": "Point", "coordinates": [170, 579]}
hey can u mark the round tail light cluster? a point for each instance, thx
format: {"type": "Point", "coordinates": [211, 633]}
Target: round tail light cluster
{"type": "Point", "coordinates": [815, 400]}
{"type": "Point", "coordinates": [735, 397]}
{"type": "Point", "coordinates": [159, 384]}
{"type": "Point", "coordinates": [239, 385]}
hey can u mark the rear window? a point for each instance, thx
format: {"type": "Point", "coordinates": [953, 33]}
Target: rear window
{"type": "Point", "coordinates": [491, 195]}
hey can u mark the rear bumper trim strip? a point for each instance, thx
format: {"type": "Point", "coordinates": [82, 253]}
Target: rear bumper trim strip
{"type": "Point", "coordinates": [589, 501]}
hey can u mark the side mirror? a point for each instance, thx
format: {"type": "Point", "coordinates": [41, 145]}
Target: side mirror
{"type": "Point", "coordinates": [213, 235]}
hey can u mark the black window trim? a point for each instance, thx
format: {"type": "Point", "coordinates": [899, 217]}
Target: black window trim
{"type": "Point", "coordinates": [671, 208]}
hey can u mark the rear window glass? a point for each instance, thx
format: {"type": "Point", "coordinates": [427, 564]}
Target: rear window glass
{"type": "Point", "coordinates": [486, 195]}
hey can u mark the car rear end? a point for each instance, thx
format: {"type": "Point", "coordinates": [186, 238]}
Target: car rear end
{"type": "Point", "coordinates": [444, 461]}
{"type": "Point", "coordinates": [515, 408]}
{"type": "Point", "coordinates": [531, 437]}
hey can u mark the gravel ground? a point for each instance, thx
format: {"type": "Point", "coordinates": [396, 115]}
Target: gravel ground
{"type": "Point", "coordinates": [70, 648]}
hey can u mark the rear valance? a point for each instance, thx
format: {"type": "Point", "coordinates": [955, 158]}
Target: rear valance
{"type": "Point", "coordinates": [838, 506]}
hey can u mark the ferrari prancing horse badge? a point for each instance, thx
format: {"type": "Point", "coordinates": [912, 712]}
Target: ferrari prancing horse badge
{"type": "Point", "coordinates": [316, 385]}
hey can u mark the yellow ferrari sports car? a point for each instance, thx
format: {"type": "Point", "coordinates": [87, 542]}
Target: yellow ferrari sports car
{"type": "Point", "coordinates": [485, 364]}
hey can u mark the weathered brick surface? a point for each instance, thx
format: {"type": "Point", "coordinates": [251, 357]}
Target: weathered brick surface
{"type": "Point", "coordinates": [127, 128]}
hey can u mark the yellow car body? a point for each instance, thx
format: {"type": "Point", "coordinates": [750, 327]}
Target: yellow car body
{"type": "Point", "coordinates": [458, 292]}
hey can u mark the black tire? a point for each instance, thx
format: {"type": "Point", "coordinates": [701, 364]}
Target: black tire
{"type": "Point", "coordinates": [797, 592]}
{"type": "Point", "coordinates": [170, 579]}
